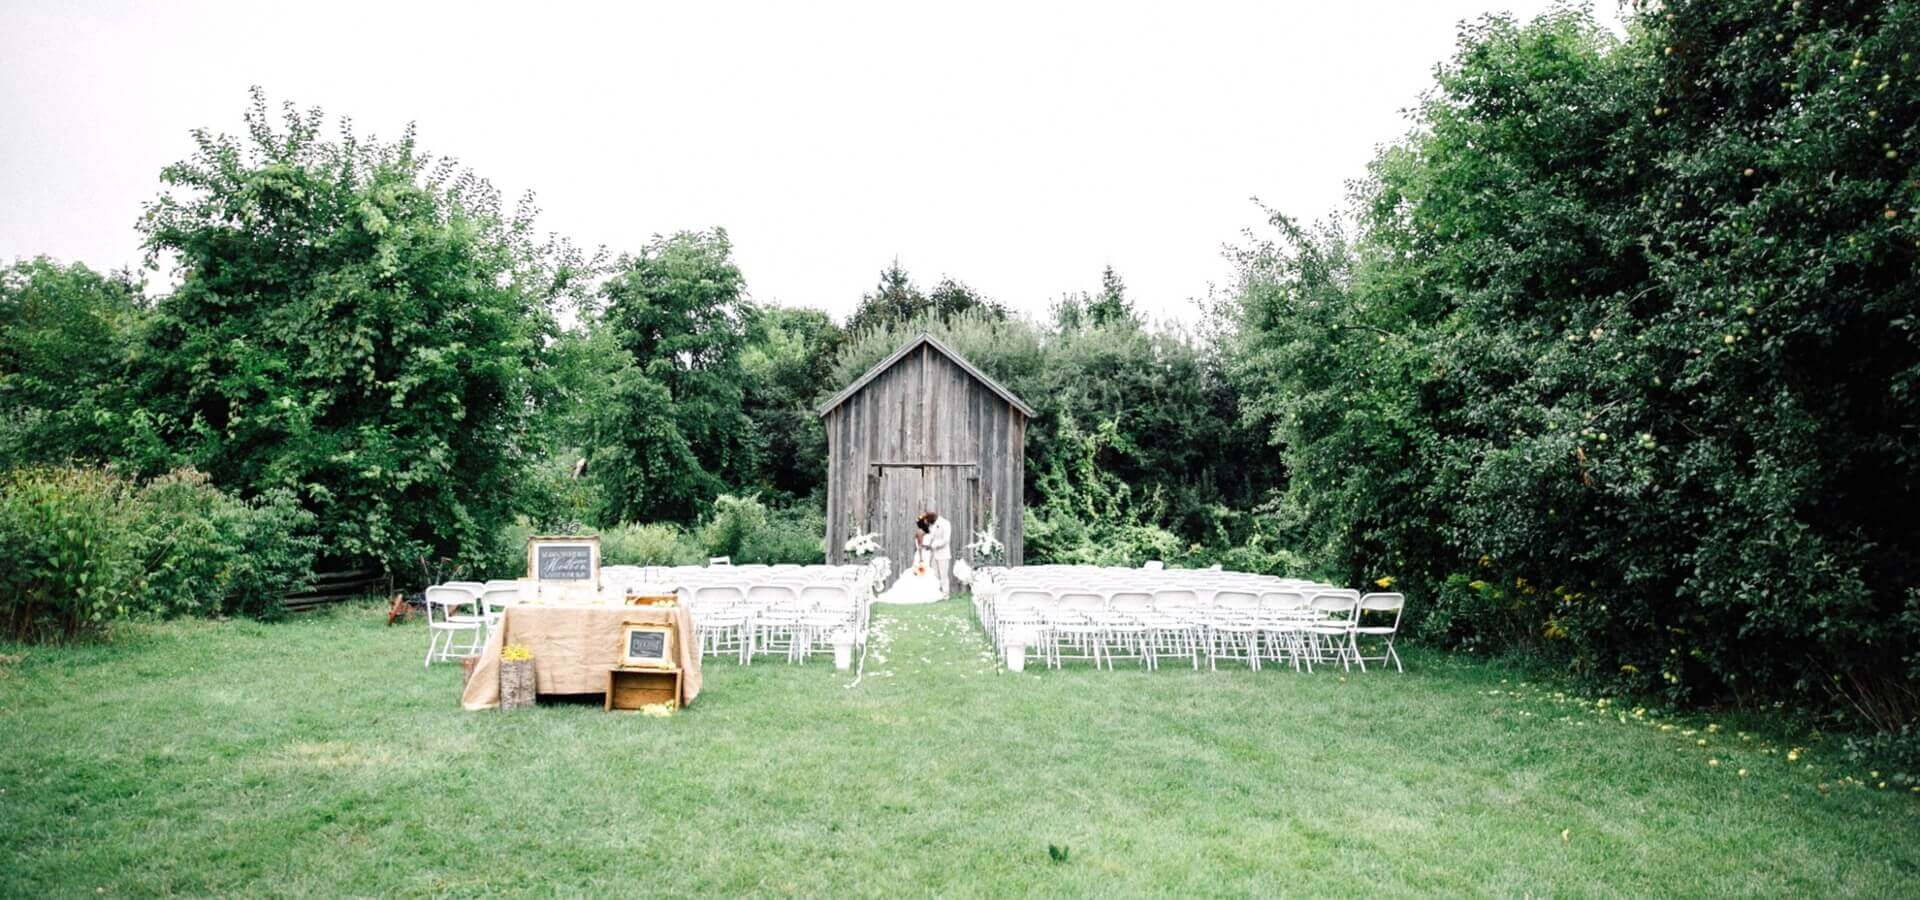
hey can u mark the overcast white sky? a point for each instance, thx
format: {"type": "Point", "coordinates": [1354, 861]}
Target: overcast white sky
{"type": "Point", "coordinates": [1019, 148]}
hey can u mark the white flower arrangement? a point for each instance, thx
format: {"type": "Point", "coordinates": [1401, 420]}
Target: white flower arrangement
{"type": "Point", "coordinates": [986, 548]}
{"type": "Point", "coordinates": [861, 545]}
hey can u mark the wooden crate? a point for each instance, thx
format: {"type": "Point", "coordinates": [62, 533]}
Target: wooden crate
{"type": "Point", "coordinates": [634, 688]}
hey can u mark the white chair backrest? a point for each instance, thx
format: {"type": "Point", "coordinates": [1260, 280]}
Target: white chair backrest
{"type": "Point", "coordinates": [1170, 598]}
{"type": "Point", "coordinates": [1235, 600]}
{"type": "Point", "coordinates": [772, 594]}
{"type": "Point", "coordinates": [709, 595]}
{"type": "Point", "coordinates": [1283, 600]}
{"type": "Point", "coordinates": [1335, 604]}
{"type": "Point", "coordinates": [719, 561]}
{"type": "Point", "coordinates": [1130, 602]}
{"type": "Point", "coordinates": [1027, 597]}
{"type": "Point", "coordinates": [1382, 603]}
{"type": "Point", "coordinates": [824, 595]}
{"type": "Point", "coordinates": [448, 602]}
{"type": "Point", "coordinates": [1081, 600]}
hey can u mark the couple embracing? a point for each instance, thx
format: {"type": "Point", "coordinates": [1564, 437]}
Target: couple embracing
{"type": "Point", "coordinates": [926, 580]}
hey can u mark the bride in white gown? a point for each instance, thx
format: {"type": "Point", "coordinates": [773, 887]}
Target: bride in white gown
{"type": "Point", "coordinates": [917, 584]}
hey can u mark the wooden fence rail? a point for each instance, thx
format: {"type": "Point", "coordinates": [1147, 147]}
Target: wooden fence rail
{"type": "Point", "coordinates": [333, 587]}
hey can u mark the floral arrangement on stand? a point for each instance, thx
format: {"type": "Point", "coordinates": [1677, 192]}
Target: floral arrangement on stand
{"type": "Point", "coordinates": [861, 546]}
{"type": "Point", "coordinates": [987, 549]}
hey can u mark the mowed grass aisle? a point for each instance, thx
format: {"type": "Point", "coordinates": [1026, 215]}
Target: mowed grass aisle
{"type": "Point", "coordinates": [317, 757]}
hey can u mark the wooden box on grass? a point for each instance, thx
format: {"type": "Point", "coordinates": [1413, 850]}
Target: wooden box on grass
{"type": "Point", "coordinates": [634, 688]}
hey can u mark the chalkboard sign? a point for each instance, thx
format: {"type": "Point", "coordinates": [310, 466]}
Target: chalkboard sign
{"type": "Point", "coordinates": [564, 559]}
{"type": "Point", "coordinates": [562, 563]}
{"type": "Point", "coordinates": [646, 645]}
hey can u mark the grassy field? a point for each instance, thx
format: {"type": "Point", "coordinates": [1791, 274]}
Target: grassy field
{"type": "Point", "coordinates": [317, 757]}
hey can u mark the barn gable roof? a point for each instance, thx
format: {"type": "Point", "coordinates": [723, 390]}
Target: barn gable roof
{"type": "Point", "coordinates": [909, 347]}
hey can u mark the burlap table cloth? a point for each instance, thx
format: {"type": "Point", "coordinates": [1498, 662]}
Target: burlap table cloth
{"type": "Point", "coordinates": [574, 646]}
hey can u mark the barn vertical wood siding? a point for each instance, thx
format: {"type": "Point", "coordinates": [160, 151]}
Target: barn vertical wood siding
{"type": "Point", "coordinates": [924, 429]}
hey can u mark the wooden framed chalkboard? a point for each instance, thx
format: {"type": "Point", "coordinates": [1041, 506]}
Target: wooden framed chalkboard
{"type": "Point", "coordinates": [646, 645]}
{"type": "Point", "coordinates": [574, 560]}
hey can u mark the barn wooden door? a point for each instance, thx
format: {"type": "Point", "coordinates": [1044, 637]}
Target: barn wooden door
{"type": "Point", "coordinates": [902, 491]}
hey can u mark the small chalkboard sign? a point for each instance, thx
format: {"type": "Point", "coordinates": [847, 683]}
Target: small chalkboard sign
{"type": "Point", "coordinates": [565, 559]}
{"type": "Point", "coordinates": [650, 646]}
{"type": "Point", "coordinates": [646, 644]}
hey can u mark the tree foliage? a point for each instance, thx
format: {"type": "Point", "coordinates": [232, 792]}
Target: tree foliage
{"type": "Point", "coordinates": [64, 353]}
{"type": "Point", "coordinates": [355, 322]}
{"type": "Point", "coordinates": [676, 433]}
{"type": "Point", "coordinates": [896, 301]}
{"type": "Point", "coordinates": [1619, 363]}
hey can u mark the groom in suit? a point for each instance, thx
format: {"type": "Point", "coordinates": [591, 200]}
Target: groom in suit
{"type": "Point", "coordinates": [939, 543]}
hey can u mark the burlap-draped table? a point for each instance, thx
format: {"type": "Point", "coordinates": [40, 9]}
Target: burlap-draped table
{"type": "Point", "coordinates": [574, 646]}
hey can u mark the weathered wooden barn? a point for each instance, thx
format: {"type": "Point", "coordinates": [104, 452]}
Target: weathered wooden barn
{"type": "Point", "coordinates": [925, 430]}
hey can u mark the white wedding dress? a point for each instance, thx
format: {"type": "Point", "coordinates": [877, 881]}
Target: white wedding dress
{"type": "Point", "coordinates": [918, 584]}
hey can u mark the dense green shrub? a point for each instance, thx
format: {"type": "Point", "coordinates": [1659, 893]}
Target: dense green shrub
{"type": "Point", "coordinates": [732, 521]}
{"type": "Point", "coordinates": [84, 546]}
{"type": "Point", "coordinates": [658, 544]}
{"type": "Point", "coordinates": [274, 552]}
{"type": "Point", "coordinates": [795, 534]}
{"type": "Point", "coordinates": [1618, 365]}
{"type": "Point", "coordinates": [66, 567]}
{"type": "Point", "coordinates": [744, 530]}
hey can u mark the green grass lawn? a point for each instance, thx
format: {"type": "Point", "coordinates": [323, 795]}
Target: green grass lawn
{"type": "Point", "coordinates": [318, 757]}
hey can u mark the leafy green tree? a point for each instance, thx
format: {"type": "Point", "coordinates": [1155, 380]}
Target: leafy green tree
{"type": "Point", "coordinates": [787, 362]}
{"type": "Point", "coordinates": [680, 433]}
{"type": "Point", "coordinates": [66, 339]}
{"type": "Point", "coordinates": [895, 300]}
{"type": "Point", "coordinates": [1615, 365]}
{"type": "Point", "coordinates": [356, 322]}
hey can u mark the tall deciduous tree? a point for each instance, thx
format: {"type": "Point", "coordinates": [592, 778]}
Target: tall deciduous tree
{"type": "Point", "coordinates": [66, 336]}
{"type": "Point", "coordinates": [1620, 363]}
{"type": "Point", "coordinates": [681, 434]}
{"type": "Point", "coordinates": [896, 300]}
{"type": "Point", "coordinates": [355, 321]}
{"type": "Point", "coordinates": [787, 362]}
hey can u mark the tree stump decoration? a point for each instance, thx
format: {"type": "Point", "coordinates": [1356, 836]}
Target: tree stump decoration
{"type": "Point", "coordinates": [516, 684]}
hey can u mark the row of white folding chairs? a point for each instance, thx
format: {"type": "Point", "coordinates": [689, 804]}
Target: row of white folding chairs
{"type": "Point", "coordinates": [1187, 617]}
{"type": "Point", "coordinates": [1235, 581]}
{"type": "Point", "coordinates": [1186, 596]}
{"type": "Point", "coordinates": [1280, 627]}
{"type": "Point", "coordinates": [743, 622]}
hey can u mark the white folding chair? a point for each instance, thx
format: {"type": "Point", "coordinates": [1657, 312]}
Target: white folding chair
{"type": "Point", "coordinates": [1283, 620]}
{"type": "Point", "coordinates": [453, 612]}
{"type": "Point", "coordinates": [1233, 628]}
{"type": "Point", "coordinates": [1382, 604]}
{"type": "Point", "coordinates": [828, 610]}
{"type": "Point", "coordinates": [1019, 616]}
{"type": "Point", "coordinates": [1332, 632]}
{"type": "Point", "coordinates": [776, 622]}
{"type": "Point", "coordinates": [1074, 626]}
